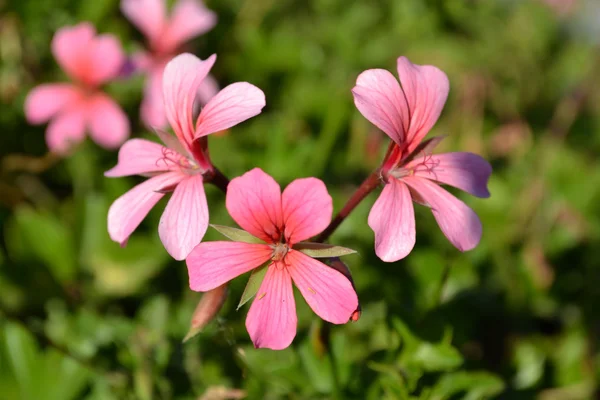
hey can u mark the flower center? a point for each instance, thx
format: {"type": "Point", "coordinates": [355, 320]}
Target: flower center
{"type": "Point", "coordinates": [279, 251]}
{"type": "Point", "coordinates": [171, 158]}
{"type": "Point", "coordinates": [426, 164]}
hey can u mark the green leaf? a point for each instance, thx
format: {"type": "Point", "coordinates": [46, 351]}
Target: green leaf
{"type": "Point", "coordinates": [44, 237]}
{"type": "Point", "coordinates": [236, 235]}
{"type": "Point", "coordinates": [322, 250]}
{"type": "Point", "coordinates": [253, 285]}
{"type": "Point", "coordinates": [476, 385]}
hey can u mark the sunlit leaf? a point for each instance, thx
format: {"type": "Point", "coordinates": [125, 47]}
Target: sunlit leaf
{"type": "Point", "coordinates": [236, 235]}
{"type": "Point", "coordinates": [256, 278]}
{"type": "Point", "coordinates": [322, 250]}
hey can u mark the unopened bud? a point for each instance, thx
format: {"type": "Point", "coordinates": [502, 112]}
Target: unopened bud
{"type": "Point", "coordinates": [206, 310]}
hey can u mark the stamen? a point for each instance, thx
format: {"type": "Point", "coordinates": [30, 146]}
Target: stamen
{"type": "Point", "coordinates": [261, 296]}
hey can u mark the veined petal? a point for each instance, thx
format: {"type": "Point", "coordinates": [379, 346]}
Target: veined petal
{"type": "Point", "coordinates": [426, 89]}
{"type": "Point", "coordinates": [272, 321]}
{"type": "Point", "coordinates": [232, 105]}
{"type": "Point", "coordinates": [66, 129]}
{"type": "Point", "coordinates": [109, 126]}
{"type": "Point", "coordinates": [392, 219]}
{"type": "Point", "coordinates": [45, 101]}
{"type": "Point", "coordinates": [185, 220]}
{"type": "Point", "coordinates": [466, 171]}
{"type": "Point", "coordinates": [149, 16]}
{"type": "Point", "coordinates": [181, 78]}
{"type": "Point", "coordinates": [378, 97]}
{"type": "Point", "coordinates": [457, 221]}
{"type": "Point", "coordinates": [307, 209]}
{"type": "Point", "coordinates": [140, 156]}
{"type": "Point", "coordinates": [211, 264]}
{"type": "Point", "coordinates": [190, 18]}
{"type": "Point", "coordinates": [128, 211]}
{"type": "Point", "coordinates": [207, 90]}
{"type": "Point", "coordinates": [70, 48]}
{"type": "Point", "coordinates": [329, 293]}
{"type": "Point", "coordinates": [254, 202]}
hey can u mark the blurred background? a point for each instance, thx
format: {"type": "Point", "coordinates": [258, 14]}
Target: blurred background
{"type": "Point", "coordinates": [516, 318]}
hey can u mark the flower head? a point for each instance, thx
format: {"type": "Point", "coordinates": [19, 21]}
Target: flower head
{"type": "Point", "coordinates": [165, 35]}
{"type": "Point", "coordinates": [90, 60]}
{"type": "Point", "coordinates": [406, 111]}
{"type": "Point", "coordinates": [181, 164]}
{"type": "Point", "coordinates": [281, 221]}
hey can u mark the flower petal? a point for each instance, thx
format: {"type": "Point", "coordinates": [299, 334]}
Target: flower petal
{"type": "Point", "coordinates": [190, 18]}
{"type": "Point", "coordinates": [329, 293]}
{"type": "Point", "coordinates": [426, 89]}
{"type": "Point", "coordinates": [307, 209]}
{"type": "Point", "coordinates": [181, 78]}
{"type": "Point", "coordinates": [152, 110]}
{"type": "Point", "coordinates": [70, 47]}
{"type": "Point", "coordinates": [45, 101]}
{"type": "Point", "coordinates": [185, 220]}
{"type": "Point", "coordinates": [466, 171]}
{"type": "Point", "coordinates": [109, 126]}
{"type": "Point", "coordinates": [66, 129]}
{"type": "Point", "coordinates": [254, 202]}
{"type": "Point", "coordinates": [232, 105]}
{"type": "Point", "coordinates": [272, 321]}
{"type": "Point", "coordinates": [378, 97]}
{"type": "Point", "coordinates": [457, 221]}
{"type": "Point", "coordinates": [211, 264]}
{"type": "Point", "coordinates": [147, 15]}
{"type": "Point", "coordinates": [392, 218]}
{"type": "Point", "coordinates": [207, 90]}
{"type": "Point", "coordinates": [128, 211]}
{"type": "Point", "coordinates": [105, 57]}
{"type": "Point", "coordinates": [140, 156]}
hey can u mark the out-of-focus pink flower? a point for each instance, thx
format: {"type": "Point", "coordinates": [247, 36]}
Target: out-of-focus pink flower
{"type": "Point", "coordinates": [280, 220]}
{"type": "Point", "coordinates": [165, 34]}
{"type": "Point", "coordinates": [90, 60]}
{"type": "Point", "coordinates": [179, 166]}
{"type": "Point", "coordinates": [410, 172]}
{"type": "Point", "coordinates": [562, 7]}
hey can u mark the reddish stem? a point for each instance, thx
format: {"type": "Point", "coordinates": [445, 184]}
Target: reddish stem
{"type": "Point", "coordinates": [363, 190]}
{"type": "Point", "coordinates": [216, 177]}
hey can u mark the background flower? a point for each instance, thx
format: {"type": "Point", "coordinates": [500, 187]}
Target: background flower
{"type": "Point", "coordinates": [90, 60]}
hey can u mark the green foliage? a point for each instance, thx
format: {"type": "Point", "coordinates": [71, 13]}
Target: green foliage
{"type": "Point", "coordinates": [82, 317]}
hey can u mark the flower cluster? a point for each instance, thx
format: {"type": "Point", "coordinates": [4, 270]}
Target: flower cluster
{"type": "Point", "coordinates": [273, 243]}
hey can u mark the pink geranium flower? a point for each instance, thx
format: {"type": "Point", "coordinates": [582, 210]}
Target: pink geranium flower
{"type": "Point", "coordinates": [180, 165]}
{"type": "Point", "coordinates": [280, 220]}
{"type": "Point", "coordinates": [90, 60]}
{"type": "Point", "coordinates": [411, 173]}
{"type": "Point", "coordinates": [165, 34]}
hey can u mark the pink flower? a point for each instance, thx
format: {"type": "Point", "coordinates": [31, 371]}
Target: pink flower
{"type": "Point", "coordinates": [189, 18]}
{"type": "Point", "coordinates": [281, 220]}
{"type": "Point", "coordinates": [90, 60]}
{"type": "Point", "coordinates": [179, 166]}
{"type": "Point", "coordinates": [411, 172]}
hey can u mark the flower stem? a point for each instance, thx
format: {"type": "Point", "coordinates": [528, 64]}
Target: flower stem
{"type": "Point", "coordinates": [363, 190]}
{"type": "Point", "coordinates": [217, 178]}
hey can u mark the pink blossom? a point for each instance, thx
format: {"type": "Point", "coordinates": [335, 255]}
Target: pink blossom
{"type": "Point", "coordinates": [406, 114]}
{"type": "Point", "coordinates": [90, 60]}
{"type": "Point", "coordinates": [165, 34]}
{"type": "Point", "coordinates": [280, 220]}
{"type": "Point", "coordinates": [180, 165]}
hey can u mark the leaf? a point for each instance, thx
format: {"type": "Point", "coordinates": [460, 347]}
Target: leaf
{"type": "Point", "coordinates": [476, 385]}
{"type": "Point", "coordinates": [45, 238]}
{"type": "Point", "coordinates": [236, 235]}
{"type": "Point", "coordinates": [256, 278]}
{"type": "Point", "coordinates": [322, 250]}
